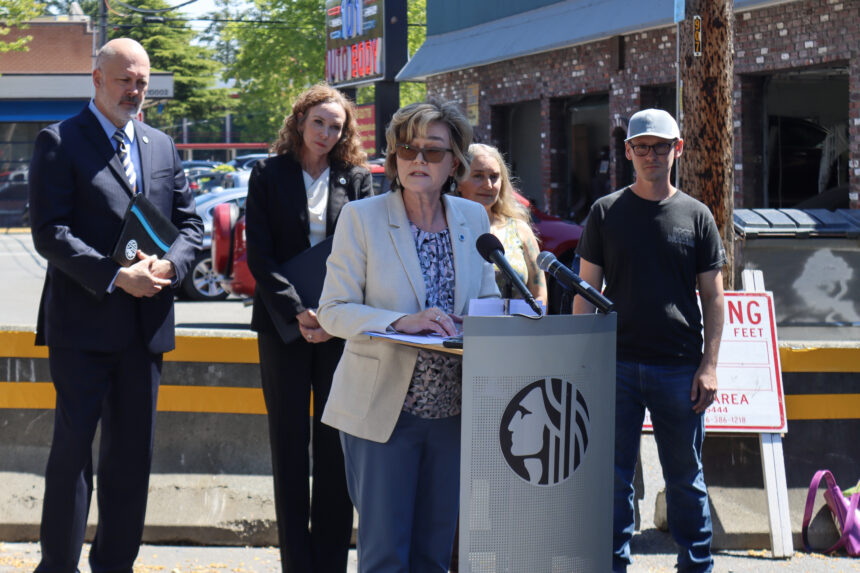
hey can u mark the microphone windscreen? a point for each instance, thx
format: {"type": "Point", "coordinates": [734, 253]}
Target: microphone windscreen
{"type": "Point", "coordinates": [486, 244]}
{"type": "Point", "coordinates": [545, 260]}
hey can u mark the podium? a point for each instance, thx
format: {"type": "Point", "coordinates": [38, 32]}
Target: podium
{"type": "Point", "coordinates": [536, 461]}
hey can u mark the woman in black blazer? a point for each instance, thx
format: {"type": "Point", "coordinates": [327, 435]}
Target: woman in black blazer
{"type": "Point", "coordinates": [294, 200]}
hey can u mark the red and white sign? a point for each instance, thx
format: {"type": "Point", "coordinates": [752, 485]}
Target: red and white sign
{"type": "Point", "coordinates": [750, 397]}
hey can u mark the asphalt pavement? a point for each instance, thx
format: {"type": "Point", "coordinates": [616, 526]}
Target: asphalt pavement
{"type": "Point", "coordinates": [15, 557]}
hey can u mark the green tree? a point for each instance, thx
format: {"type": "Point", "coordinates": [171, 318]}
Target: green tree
{"type": "Point", "coordinates": [171, 46]}
{"type": "Point", "coordinates": [281, 53]}
{"type": "Point", "coordinates": [16, 14]}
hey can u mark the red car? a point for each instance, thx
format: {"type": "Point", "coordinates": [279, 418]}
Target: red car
{"type": "Point", "coordinates": [229, 256]}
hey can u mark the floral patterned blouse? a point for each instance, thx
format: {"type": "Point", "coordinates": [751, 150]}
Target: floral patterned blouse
{"type": "Point", "coordinates": [436, 386]}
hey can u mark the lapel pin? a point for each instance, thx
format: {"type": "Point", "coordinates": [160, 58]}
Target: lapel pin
{"type": "Point", "coordinates": [145, 139]}
{"type": "Point", "coordinates": [462, 237]}
{"type": "Point", "coordinates": [342, 180]}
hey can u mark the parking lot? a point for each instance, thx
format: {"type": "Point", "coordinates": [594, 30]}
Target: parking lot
{"type": "Point", "coordinates": [23, 272]}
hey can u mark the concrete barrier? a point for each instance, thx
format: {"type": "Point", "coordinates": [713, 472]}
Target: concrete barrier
{"type": "Point", "coordinates": [211, 481]}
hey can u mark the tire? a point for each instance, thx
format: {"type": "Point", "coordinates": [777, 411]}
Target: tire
{"type": "Point", "coordinates": [202, 282]}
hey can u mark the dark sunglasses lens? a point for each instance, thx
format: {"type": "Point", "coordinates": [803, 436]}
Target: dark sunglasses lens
{"type": "Point", "coordinates": [434, 155]}
{"type": "Point", "coordinates": [662, 148]}
{"type": "Point", "coordinates": [406, 153]}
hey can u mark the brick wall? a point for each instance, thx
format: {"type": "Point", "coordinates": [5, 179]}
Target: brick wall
{"type": "Point", "coordinates": [779, 38]}
{"type": "Point", "coordinates": [56, 47]}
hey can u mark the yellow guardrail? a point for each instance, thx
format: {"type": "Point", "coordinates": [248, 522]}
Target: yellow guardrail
{"type": "Point", "coordinates": [243, 350]}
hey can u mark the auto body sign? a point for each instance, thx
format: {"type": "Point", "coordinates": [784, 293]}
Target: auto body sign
{"type": "Point", "coordinates": [354, 41]}
{"type": "Point", "coordinates": [750, 396]}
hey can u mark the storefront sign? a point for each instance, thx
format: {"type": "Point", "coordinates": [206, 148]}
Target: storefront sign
{"type": "Point", "coordinates": [697, 35]}
{"type": "Point", "coordinates": [365, 116]}
{"type": "Point", "coordinates": [473, 92]}
{"type": "Point", "coordinates": [354, 41]}
{"type": "Point", "coordinates": [750, 396]}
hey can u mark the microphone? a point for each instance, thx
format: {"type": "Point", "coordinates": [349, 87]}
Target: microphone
{"type": "Point", "coordinates": [571, 281]}
{"type": "Point", "coordinates": [491, 249]}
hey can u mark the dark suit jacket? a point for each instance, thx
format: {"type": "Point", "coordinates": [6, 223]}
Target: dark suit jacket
{"type": "Point", "coordinates": [277, 228]}
{"type": "Point", "coordinates": [78, 197]}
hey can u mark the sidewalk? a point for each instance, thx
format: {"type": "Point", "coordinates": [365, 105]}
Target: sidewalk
{"type": "Point", "coordinates": [17, 557]}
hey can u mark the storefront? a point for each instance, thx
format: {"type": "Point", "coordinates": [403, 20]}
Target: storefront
{"type": "Point", "coordinates": [553, 84]}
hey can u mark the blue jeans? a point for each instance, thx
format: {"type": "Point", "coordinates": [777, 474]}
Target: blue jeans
{"type": "Point", "coordinates": [407, 493]}
{"type": "Point", "coordinates": [679, 432]}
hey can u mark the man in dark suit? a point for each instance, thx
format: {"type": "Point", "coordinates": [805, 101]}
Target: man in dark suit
{"type": "Point", "coordinates": [106, 326]}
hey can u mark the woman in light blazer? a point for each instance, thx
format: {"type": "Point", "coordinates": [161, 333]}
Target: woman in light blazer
{"type": "Point", "coordinates": [294, 201]}
{"type": "Point", "coordinates": [406, 261]}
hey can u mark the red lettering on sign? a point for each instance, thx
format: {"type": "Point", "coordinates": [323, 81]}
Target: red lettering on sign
{"type": "Point", "coordinates": [755, 316]}
{"type": "Point", "coordinates": [733, 398]}
{"type": "Point", "coordinates": [735, 311]}
{"type": "Point", "coordinates": [355, 57]}
{"type": "Point", "coordinates": [368, 58]}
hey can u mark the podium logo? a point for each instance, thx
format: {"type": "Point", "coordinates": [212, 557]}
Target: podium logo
{"type": "Point", "coordinates": [544, 431]}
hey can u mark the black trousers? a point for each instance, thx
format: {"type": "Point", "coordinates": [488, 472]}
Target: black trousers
{"type": "Point", "coordinates": [120, 389]}
{"type": "Point", "coordinates": [289, 373]}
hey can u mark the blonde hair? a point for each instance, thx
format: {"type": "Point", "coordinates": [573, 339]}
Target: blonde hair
{"type": "Point", "coordinates": [507, 205]}
{"type": "Point", "coordinates": [348, 147]}
{"type": "Point", "coordinates": [412, 120]}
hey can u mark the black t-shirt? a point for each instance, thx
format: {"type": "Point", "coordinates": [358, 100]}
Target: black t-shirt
{"type": "Point", "coordinates": [651, 252]}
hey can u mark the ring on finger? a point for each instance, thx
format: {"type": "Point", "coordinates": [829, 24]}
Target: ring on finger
{"type": "Point", "coordinates": [438, 318]}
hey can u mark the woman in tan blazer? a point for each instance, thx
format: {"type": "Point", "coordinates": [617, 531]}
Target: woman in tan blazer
{"type": "Point", "coordinates": [406, 261]}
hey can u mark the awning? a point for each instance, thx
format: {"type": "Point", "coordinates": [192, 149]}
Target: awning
{"type": "Point", "coordinates": [548, 28]}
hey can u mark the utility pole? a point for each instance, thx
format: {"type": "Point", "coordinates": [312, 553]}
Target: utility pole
{"type": "Point", "coordinates": [706, 170]}
{"type": "Point", "coordinates": [102, 23]}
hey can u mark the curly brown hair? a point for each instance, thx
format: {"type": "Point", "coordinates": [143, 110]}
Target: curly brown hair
{"type": "Point", "coordinates": [348, 148]}
{"type": "Point", "coordinates": [412, 120]}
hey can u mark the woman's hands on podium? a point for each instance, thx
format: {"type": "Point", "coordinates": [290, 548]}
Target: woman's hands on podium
{"type": "Point", "coordinates": [310, 327]}
{"type": "Point", "coordinates": [429, 321]}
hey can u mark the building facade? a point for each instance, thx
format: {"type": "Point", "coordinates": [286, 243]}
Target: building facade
{"type": "Point", "coordinates": [553, 85]}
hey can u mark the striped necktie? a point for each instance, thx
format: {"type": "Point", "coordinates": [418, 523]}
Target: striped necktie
{"type": "Point", "coordinates": [125, 157]}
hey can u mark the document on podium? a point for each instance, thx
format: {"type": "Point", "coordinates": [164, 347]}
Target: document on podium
{"type": "Point", "coordinates": [426, 341]}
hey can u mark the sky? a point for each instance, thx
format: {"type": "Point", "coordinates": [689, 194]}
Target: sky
{"type": "Point", "coordinates": [198, 8]}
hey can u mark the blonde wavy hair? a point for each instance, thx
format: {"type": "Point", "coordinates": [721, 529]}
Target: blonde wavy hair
{"type": "Point", "coordinates": [411, 121]}
{"type": "Point", "coordinates": [507, 205]}
{"type": "Point", "coordinates": [347, 149]}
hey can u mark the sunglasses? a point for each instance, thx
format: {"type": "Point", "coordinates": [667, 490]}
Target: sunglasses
{"type": "Point", "coordinates": [662, 148]}
{"type": "Point", "coordinates": [408, 152]}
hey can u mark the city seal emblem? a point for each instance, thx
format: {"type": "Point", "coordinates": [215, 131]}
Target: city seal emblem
{"type": "Point", "coordinates": [130, 250]}
{"type": "Point", "coordinates": [544, 431]}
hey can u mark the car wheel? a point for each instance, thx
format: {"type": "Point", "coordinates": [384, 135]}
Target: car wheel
{"type": "Point", "coordinates": [203, 283]}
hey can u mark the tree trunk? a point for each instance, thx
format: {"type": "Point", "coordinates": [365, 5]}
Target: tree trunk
{"type": "Point", "coordinates": [706, 168]}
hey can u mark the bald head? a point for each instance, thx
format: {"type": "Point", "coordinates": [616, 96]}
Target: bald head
{"type": "Point", "coordinates": [120, 77]}
{"type": "Point", "coordinates": [123, 48]}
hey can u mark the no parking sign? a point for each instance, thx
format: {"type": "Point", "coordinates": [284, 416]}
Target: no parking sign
{"type": "Point", "coordinates": [750, 396]}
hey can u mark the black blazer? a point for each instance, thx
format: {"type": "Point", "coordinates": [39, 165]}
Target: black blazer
{"type": "Point", "coordinates": [277, 228]}
{"type": "Point", "coordinates": [78, 196]}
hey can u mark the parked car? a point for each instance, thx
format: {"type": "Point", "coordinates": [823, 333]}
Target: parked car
{"type": "Point", "coordinates": [207, 163]}
{"type": "Point", "coordinates": [238, 178]}
{"type": "Point", "coordinates": [202, 283]}
{"type": "Point", "coordinates": [246, 161]}
{"type": "Point", "coordinates": [229, 256]}
{"type": "Point", "coordinates": [14, 197]}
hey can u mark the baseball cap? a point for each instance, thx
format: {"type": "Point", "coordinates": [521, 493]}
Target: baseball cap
{"type": "Point", "coordinates": [654, 122]}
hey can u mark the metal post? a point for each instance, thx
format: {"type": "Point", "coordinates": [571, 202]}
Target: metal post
{"type": "Point", "coordinates": [102, 23]}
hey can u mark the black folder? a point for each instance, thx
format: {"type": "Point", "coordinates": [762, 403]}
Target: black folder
{"type": "Point", "coordinates": [144, 228]}
{"type": "Point", "coordinates": [306, 273]}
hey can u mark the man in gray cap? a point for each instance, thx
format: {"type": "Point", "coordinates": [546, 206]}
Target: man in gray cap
{"type": "Point", "coordinates": [654, 244]}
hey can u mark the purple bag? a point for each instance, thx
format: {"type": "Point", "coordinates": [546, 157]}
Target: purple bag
{"type": "Point", "coordinates": [845, 514]}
